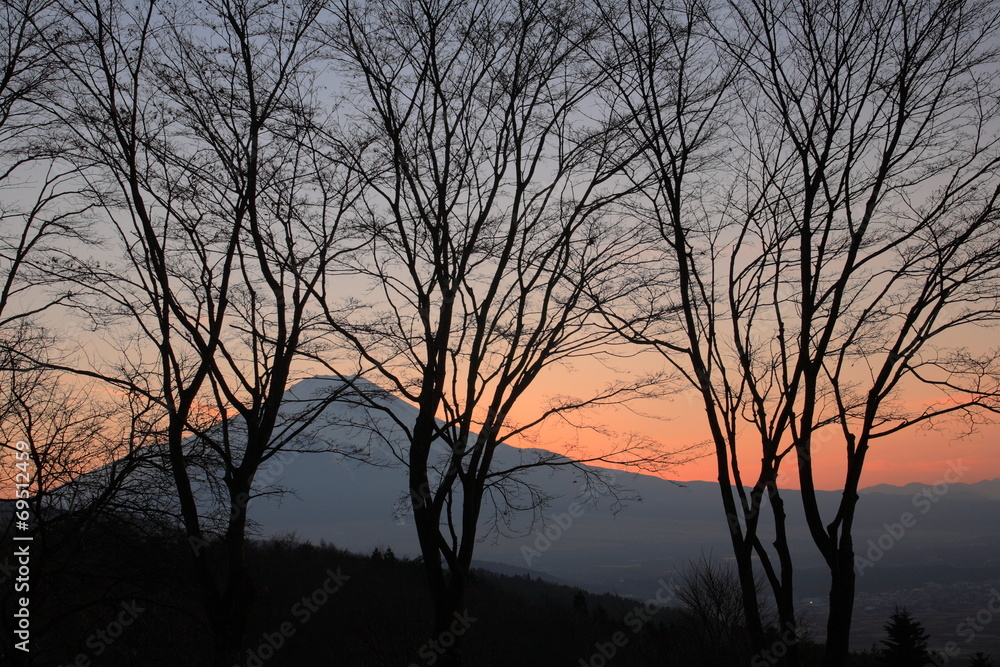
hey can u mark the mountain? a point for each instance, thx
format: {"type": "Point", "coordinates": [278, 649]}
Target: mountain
{"type": "Point", "coordinates": [987, 488]}
{"type": "Point", "coordinates": [656, 530]}
{"type": "Point", "coordinates": [932, 548]}
{"type": "Point", "coordinates": [914, 533]}
{"type": "Point", "coordinates": [580, 536]}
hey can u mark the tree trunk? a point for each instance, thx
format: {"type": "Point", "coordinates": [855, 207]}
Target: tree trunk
{"type": "Point", "coordinates": [838, 625]}
{"type": "Point", "coordinates": [229, 630]}
{"type": "Point", "coordinates": [238, 598]}
{"type": "Point", "coordinates": [447, 589]}
{"type": "Point", "coordinates": [784, 595]}
{"type": "Point", "coordinates": [448, 626]}
{"type": "Point", "coordinates": [444, 647]}
{"type": "Point", "coordinates": [743, 550]}
{"type": "Point", "coordinates": [231, 610]}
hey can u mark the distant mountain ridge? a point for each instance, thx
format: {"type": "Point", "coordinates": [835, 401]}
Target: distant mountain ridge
{"type": "Point", "coordinates": [987, 488]}
{"type": "Point", "coordinates": [950, 542]}
{"type": "Point", "coordinates": [665, 524]}
{"type": "Point", "coordinates": [660, 526]}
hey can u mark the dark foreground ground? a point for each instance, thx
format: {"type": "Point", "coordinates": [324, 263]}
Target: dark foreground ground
{"type": "Point", "coordinates": [119, 597]}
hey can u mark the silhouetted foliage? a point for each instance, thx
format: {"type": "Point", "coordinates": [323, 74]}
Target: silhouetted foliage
{"type": "Point", "coordinates": [906, 642]}
{"type": "Point", "coordinates": [980, 659]}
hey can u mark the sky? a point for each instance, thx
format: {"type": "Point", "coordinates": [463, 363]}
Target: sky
{"type": "Point", "coordinates": [920, 455]}
{"type": "Point", "coordinates": [678, 422]}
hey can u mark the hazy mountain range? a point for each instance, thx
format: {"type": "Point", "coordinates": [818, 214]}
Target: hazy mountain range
{"type": "Point", "coordinates": [934, 549]}
{"type": "Point", "coordinates": [954, 527]}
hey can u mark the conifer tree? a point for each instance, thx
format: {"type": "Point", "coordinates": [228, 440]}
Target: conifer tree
{"type": "Point", "coordinates": [906, 643]}
{"type": "Point", "coordinates": [980, 659]}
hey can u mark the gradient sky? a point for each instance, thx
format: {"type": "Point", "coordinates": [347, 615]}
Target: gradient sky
{"type": "Point", "coordinates": [678, 421]}
{"type": "Point", "coordinates": [918, 455]}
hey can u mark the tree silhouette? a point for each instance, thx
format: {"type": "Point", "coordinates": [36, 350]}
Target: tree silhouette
{"type": "Point", "coordinates": [41, 208]}
{"type": "Point", "coordinates": [196, 132]}
{"type": "Point", "coordinates": [906, 643]}
{"type": "Point", "coordinates": [980, 659]}
{"type": "Point", "coordinates": [710, 591]}
{"type": "Point", "coordinates": [827, 202]}
{"type": "Point", "coordinates": [489, 217]}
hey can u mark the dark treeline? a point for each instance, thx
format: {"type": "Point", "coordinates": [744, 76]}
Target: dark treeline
{"type": "Point", "coordinates": [124, 597]}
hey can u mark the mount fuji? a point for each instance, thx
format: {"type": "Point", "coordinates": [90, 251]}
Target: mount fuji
{"type": "Point", "coordinates": [604, 543]}
{"type": "Point", "coordinates": [594, 542]}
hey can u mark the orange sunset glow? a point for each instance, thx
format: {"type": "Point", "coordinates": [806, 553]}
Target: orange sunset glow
{"type": "Point", "coordinates": [677, 422]}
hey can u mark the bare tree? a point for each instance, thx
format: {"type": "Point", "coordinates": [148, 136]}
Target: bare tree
{"type": "Point", "coordinates": [225, 201]}
{"type": "Point", "coordinates": [712, 594]}
{"type": "Point", "coordinates": [70, 455]}
{"type": "Point", "coordinates": [837, 262]}
{"type": "Point", "coordinates": [39, 209]}
{"type": "Point", "coordinates": [675, 80]}
{"type": "Point", "coordinates": [489, 214]}
{"type": "Point", "coordinates": [69, 431]}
